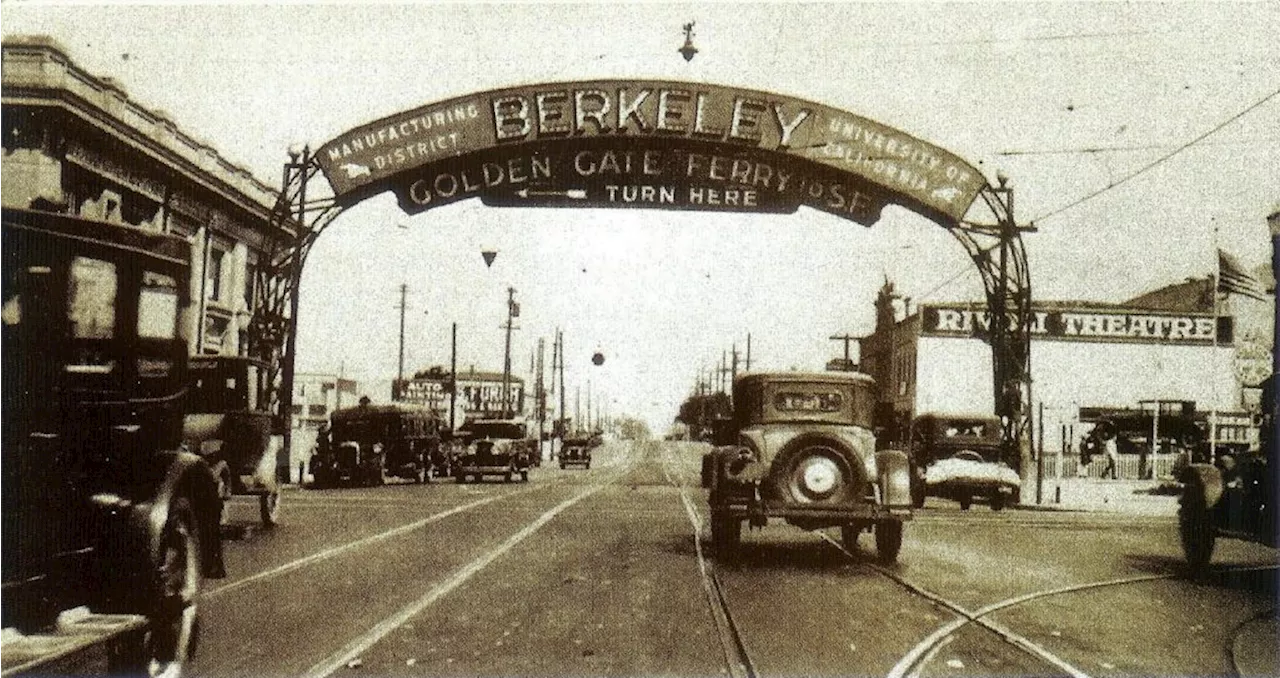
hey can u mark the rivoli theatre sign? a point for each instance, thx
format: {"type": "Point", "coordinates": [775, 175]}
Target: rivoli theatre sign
{"type": "Point", "coordinates": [651, 144]}
{"type": "Point", "coordinates": [1119, 325]}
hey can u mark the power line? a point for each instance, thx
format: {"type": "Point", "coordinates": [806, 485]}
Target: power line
{"type": "Point", "coordinates": [1159, 160]}
{"type": "Point", "coordinates": [1125, 149]}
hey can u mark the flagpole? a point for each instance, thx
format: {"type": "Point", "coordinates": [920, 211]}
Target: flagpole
{"type": "Point", "coordinates": [1213, 411]}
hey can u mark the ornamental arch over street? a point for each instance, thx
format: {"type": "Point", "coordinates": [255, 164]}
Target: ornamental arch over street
{"type": "Point", "coordinates": [655, 144]}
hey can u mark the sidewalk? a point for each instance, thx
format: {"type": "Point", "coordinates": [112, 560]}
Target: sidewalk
{"type": "Point", "coordinates": [1131, 497]}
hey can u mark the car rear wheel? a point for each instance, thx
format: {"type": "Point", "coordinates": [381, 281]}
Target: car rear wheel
{"type": "Point", "coordinates": [849, 534]}
{"type": "Point", "coordinates": [1196, 528]}
{"type": "Point", "coordinates": [269, 508]}
{"type": "Point", "coordinates": [726, 535]}
{"type": "Point", "coordinates": [997, 501]}
{"type": "Point", "coordinates": [888, 540]}
{"type": "Point", "coordinates": [965, 502]}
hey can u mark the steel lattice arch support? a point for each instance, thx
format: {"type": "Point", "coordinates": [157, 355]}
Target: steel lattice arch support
{"type": "Point", "coordinates": [655, 145]}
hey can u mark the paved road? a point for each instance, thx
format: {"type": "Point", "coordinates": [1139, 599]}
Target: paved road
{"type": "Point", "coordinates": [603, 572]}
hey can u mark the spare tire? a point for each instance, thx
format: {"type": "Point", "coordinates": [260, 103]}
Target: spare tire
{"type": "Point", "coordinates": [816, 469]}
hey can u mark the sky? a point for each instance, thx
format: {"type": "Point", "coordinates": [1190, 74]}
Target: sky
{"type": "Point", "coordinates": [1066, 99]}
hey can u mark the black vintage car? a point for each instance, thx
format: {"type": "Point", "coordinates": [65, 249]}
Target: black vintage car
{"type": "Point", "coordinates": [576, 451]}
{"type": "Point", "coordinates": [368, 444]}
{"type": "Point", "coordinates": [228, 424]}
{"type": "Point", "coordinates": [960, 457]}
{"type": "Point", "coordinates": [101, 509]}
{"type": "Point", "coordinates": [1235, 496]}
{"type": "Point", "coordinates": [805, 452]}
{"type": "Point", "coordinates": [493, 447]}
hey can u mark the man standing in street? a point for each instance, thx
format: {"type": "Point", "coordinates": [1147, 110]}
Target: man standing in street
{"type": "Point", "coordinates": [1112, 455]}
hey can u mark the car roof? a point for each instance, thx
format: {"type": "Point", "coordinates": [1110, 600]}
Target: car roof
{"type": "Point", "coordinates": [805, 377]}
{"type": "Point", "coordinates": [953, 416]}
{"type": "Point", "coordinates": [384, 409]}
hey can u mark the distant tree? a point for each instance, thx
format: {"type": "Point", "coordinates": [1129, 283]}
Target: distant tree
{"type": "Point", "coordinates": [698, 411]}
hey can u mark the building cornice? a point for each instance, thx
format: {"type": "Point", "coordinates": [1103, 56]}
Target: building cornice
{"type": "Point", "coordinates": [37, 72]}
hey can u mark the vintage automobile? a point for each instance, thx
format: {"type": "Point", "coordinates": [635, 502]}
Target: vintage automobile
{"type": "Point", "coordinates": [805, 452]}
{"type": "Point", "coordinates": [108, 527]}
{"type": "Point", "coordinates": [576, 451]}
{"type": "Point", "coordinates": [368, 444]}
{"type": "Point", "coordinates": [493, 447]}
{"type": "Point", "coordinates": [959, 457]}
{"type": "Point", "coordinates": [1235, 496]}
{"type": "Point", "coordinates": [228, 424]}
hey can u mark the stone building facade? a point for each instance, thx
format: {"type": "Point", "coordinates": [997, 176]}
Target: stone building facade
{"type": "Point", "coordinates": [76, 144]}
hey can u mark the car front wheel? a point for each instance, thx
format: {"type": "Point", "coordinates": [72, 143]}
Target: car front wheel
{"type": "Point", "coordinates": [888, 540]}
{"type": "Point", "coordinates": [170, 602]}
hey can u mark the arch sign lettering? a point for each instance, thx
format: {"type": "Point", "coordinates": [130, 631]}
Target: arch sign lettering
{"type": "Point", "coordinates": [650, 144]}
{"type": "Point", "coordinates": [659, 145]}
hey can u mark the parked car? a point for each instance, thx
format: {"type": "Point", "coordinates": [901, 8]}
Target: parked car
{"type": "Point", "coordinates": [1235, 496]}
{"type": "Point", "coordinates": [805, 453]}
{"type": "Point", "coordinates": [493, 447]}
{"type": "Point", "coordinates": [576, 451]}
{"type": "Point", "coordinates": [368, 444]}
{"type": "Point", "coordinates": [959, 457]}
{"type": "Point", "coordinates": [228, 424]}
{"type": "Point", "coordinates": [109, 528]}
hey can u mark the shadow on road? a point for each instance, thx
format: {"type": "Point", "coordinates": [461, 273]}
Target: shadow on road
{"type": "Point", "coordinates": [1255, 580]}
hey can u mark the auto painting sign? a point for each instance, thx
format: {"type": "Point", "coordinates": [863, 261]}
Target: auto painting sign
{"type": "Point", "coordinates": [452, 132]}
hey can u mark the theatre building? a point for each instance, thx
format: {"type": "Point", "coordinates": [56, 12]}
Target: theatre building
{"type": "Point", "coordinates": [1167, 350]}
{"type": "Point", "coordinates": [77, 146]}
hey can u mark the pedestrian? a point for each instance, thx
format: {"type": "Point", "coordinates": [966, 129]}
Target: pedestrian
{"type": "Point", "coordinates": [1088, 447]}
{"type": "Point", "coordinates": [1112, 455]}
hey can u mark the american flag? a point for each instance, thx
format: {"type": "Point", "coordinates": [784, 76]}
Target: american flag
{"type": "Point", "coordinates": [1234, 279]}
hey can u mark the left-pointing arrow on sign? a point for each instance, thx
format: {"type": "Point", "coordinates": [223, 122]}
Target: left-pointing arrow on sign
{"type": "Point", "coordinates": [572, 193]}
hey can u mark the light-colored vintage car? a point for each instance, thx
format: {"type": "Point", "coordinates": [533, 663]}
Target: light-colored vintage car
{"type": "Point", "coordinates": [962, 457]}
{"type": "Point", "coordinates": [805, 452]}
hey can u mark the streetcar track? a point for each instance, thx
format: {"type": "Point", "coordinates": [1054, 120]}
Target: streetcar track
{"type": "Point", "coordinates": [326, 554]}
{"type": "Point", "coordinates": [361, 644]}
{"type": "Point", "coordinates": [371, 501]}
{"type": "Point", "coordinates": [919, 656]}
{"type": "Point", "coordinates": [736, 657]}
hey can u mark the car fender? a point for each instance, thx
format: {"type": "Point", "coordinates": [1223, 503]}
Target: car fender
{"type": "Point", "coordinates": [893, 470]}
{"type": "Point", "coordinates": [143, 518]}
{"type": "Point", "coordinates": [1205, 479]}
{"type": "Point", "coordinates": [188, 474]}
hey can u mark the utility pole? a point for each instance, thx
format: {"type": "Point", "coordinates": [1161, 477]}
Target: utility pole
{"type": "Point", "coordinates": [577, 406]}
{"type": "Point", "coordinates": [748, 351]}
{"type": "Point", "coordinates": [453, 380]}
{"type": "Point", "coordinates": [564, 424]}
{"type": "Point", "coordinates": [513, 311]}
{"type": "Point", "coordinates": [540, 402]}
{"type": "Point", "coordinates": [846, 338]}
{"type": "Point", "coordinates": [404, 290]}
{"type": "Point", "coordinates": [724, 370]}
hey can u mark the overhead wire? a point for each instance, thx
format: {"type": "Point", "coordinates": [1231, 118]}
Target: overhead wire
{"type": "Point", "coordinates": [1157, 161]}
